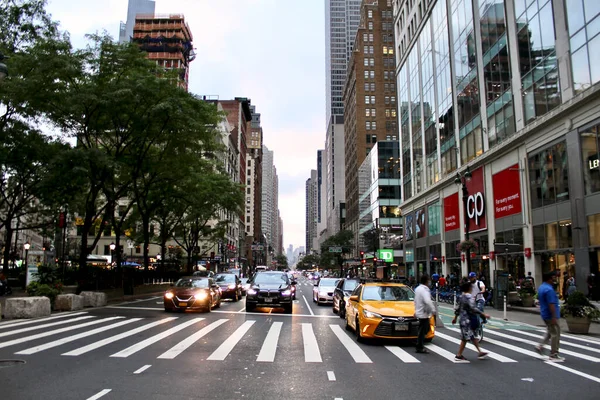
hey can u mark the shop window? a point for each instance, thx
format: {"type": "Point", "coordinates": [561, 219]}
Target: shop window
{"type": "Point", "coordinates": [551, 236]}
{"type": "Point", "coordinates": [594, 229]}
{"type": "Point", "coordinates": [565, 234]}
{"type": "Point", "coordinates": [591, 159]}
{"type": "Point", "coordinates": [539, 237]}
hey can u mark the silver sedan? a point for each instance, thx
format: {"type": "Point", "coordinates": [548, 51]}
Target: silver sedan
{"type": "Point", "coordinates": [323, 291]}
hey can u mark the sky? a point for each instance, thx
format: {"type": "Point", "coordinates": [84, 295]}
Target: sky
{"type": "Point", "coordinates": [271, 51]}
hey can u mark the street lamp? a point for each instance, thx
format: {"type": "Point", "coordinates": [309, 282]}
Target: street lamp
{"type": "Point", "coordinates": [26, 245]}
{"type": "Point", "coordinates": [112, 250]}
{"type": "Point", "coordinates": [462, 180]}
{"type": "Point", "coordinates": [3, 67]}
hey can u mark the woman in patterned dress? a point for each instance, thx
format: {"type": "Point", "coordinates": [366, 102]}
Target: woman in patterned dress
{"type": "Point", "coordinates": [467, 313]}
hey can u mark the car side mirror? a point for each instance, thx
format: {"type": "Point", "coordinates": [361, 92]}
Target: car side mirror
{"type": "Point", "coordinates": [354, 298]}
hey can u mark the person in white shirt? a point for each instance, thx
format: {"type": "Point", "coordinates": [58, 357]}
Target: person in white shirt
{"type": "Point", "coordinates": [424, 309]}
{"type": "Point", "coordinates": [477, 291]}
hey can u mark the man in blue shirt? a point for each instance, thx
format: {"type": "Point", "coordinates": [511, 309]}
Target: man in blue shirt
{"type": "Point", "coordinates": [550, 313]}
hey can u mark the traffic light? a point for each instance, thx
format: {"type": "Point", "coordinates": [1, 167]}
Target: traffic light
{"type": "Point", "coordinates": [363, 261]}
{"type": "Point", "coordinates": [375, 260]}
{"type": "Point", "coordinates": [362, 254]}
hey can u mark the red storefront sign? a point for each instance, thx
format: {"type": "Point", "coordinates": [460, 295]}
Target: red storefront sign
{"type": "Point", "coordinates": [451, 215]}
{"type": "Point", "coordinates": [507, 192]}
{"type": "Point", "coordinates": [476, 201]}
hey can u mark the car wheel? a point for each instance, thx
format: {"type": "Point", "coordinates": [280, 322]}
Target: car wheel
{"type": "Point", "coordinates": [359, 337]}
{"type": "Point", "coordinates": [347, 326]}
{"type": "Point", "coordinates": [334, 309]}
{"type": "Point", "coordinates": [168, 310]}
{"type": "Point", "coordinates": [288, 309]}
{"type": "Point", "coordinates": [342, 312]}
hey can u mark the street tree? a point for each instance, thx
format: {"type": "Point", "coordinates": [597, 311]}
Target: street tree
{"type": "Point", "coordinates": [309, 261]}
{"type": "Point", "coordinates": [282, 262]}
{"type": "Point", "coordinates": [343, 239]}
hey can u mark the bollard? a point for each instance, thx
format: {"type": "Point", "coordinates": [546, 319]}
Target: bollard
{"type": "Point", "coordinates": [455, 299]}
{"type": "Point", "coordinates": [506, 319]}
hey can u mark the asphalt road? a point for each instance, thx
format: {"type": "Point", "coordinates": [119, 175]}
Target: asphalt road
{"type": "Point", "coordinates": [136, 351]}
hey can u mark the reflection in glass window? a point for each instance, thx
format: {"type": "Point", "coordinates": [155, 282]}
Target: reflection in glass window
{"type": "Point", "coordinates": [591, 159]}
{"type": "Point", "coordinates": [548, 172]}
{"type": "Point", "coordinates": [552, 236]}
{"type": "Point", "coordinates": [434, 216]}
{"type": "Point", "coordinates": [594, 229]}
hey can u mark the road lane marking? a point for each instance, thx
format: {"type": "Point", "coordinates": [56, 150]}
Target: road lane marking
{"type": "Point", "coordinates": [12, 324]}
{"type": "Point", "coordinates": [99, 394]}
{"type": "Point", "coordinates": [242, 310]}
{"type": "Point", "coordinates": [562, 342]}
{"type": "Point", "coordinates": [235, 312]}
{"type": "Point", "coordinates": [574, 371]}
{"type": "Point", "coordinates": [582, 339]}
{"type": "Point", "coordinates": [508, 346]}
{"type": "Point", "coordinates": [190, 340]}
{"type": "Point", "coordinates": [69, 339]}
{"type": "Point", "coordinates": [225, 348]}
{"type": "Point", "coordinates": [402, 354]}
{"type": "Point", "coordinates": [531, 342]}
{"type": "Point", "coordinates": [355, 351]}
{"type": "Point", "coordinates": [32, 328]}
{"type": "Point", "coordinates": [307, 305]}
{"type": "Point", "coordinates": [145, 367]}
{"type": "Point", "coordinates": [54, 332]}
{"type": "Point", "coordinates": [444, 353]}
{"type": "Point", "coordinates": [491, 354]}
{"type": "Point", "coordinates": [153, 339]}
{"type": "Point", "coordinates": [104, 342]}
{"type": "Point", "coordinates": [311, 347]}
{"type": "Point", "coordinates": [331, 376]}
{"type": "Point", "coordinates": [269, 347]}
{"type": "Point", "coordinates": [136, 308]}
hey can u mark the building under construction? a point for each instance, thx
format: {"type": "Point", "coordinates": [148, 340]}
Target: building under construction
{"type": "Point", "coordinates": [168, 40]}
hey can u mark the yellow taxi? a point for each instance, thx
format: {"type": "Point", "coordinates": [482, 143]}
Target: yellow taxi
{"type": "Point", "coordinates": [384, 310]}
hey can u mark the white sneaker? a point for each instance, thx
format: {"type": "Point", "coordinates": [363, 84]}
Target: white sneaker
{"type": "Point", "coordinates": [556, 358]}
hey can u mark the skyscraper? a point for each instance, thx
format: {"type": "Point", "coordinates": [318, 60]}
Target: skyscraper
{"type": "Point", "coordinates": [311, 212]}
{"type": "Point", "coordinates": [134, 7]}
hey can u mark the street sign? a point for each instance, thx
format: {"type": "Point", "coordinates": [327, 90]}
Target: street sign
{"type": "Point", "coordinates": [386, 255]}
{"type": "Point", "coordinates": [130, 244]}
{"type": "Point", "coordinates": [257, 247]}
{"type": "Point", "coordinates": [335, 249]}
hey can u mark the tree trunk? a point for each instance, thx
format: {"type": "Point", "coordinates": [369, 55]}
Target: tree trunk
{"type": "Point", "coordinates": [7, 246]}
{"type": "Point", "coordinates": [146, 229]}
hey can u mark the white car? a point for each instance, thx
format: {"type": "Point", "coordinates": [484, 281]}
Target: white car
{"type": "Point", "coordinates": [323, 290]}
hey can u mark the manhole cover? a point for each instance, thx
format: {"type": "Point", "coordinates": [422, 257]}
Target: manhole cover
{"type": "Point", "coordinates": [10, 363]}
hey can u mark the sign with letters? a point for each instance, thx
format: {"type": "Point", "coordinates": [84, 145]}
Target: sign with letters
{"type": "Point", "coordinates": [507, 192]}
{"type": "Point", "coordinates": [476, 215]}
{"type": "Point", "coordinates": [451, 215]}
{"type": "Point", "coordinates": [386, 255]}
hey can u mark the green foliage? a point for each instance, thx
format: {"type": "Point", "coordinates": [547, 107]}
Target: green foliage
{"type": "Point", "coordinates": [577, 305]}
{"type": "Point", "coordinates": [282, 262]}
{"type": "Point", "coordinates": [527, 288]}
{"type": "Point", "coordinates": [41, 289]}
{"type": "Point", "coordinates": [308, 261]}
{"type": "Point", "coordinates": [343, 239]}
{"type": "Point", "coordinates": [47, 275]}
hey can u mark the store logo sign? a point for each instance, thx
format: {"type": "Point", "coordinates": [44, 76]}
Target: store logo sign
{"type": "Point", "coordinates": [475, 207]}
{"type": "Point", "coordinates": [594, 164]}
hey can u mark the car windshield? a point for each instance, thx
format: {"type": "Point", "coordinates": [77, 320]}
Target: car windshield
{"type": "Point", "coordinates": [266, 278]}
{"type": "Point", "coordinates": [350, 285]}
{"type": "Point", "coordinates": [328, 282]}
{"type": "Point", "coordinates": [387, 293]}
{"type": "Point", "coordinates": [225, 278]}
{"type": "Point", "coordinates": [192, 283]}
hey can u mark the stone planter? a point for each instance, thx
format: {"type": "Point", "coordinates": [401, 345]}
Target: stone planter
{"type": "Point", "coordinates": [27, 307]}
{"type": "Point", "coordinates": [68, 302]}
{"type": "Point", "coordinates": [527, 300]}
{"type": "Point", "coordinates": [578, 325]}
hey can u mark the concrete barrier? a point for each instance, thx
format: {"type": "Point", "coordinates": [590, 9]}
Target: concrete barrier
{"type": "Point", "coordinates": [94, 299]}
{"type": "Point", "coordinates": [68, 302]}
{"type": "Point", "coordinates": [27, 307]}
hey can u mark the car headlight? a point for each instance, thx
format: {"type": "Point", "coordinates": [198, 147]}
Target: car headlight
{"type": "Point", "coordinates": [201, 296]}
{"type": "Point", "coordinates": [286, 292]}
{"type": "Point", "coordinates": [369, 314]}
{"type": "Point", "coordinates": [169, 295]}
{"type": "Point", "coordinates": [251, 292]}
{"type": "Point", "coordinates": [231, 286]}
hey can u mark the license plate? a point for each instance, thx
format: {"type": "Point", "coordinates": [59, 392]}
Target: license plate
{"type": "Point", "coordinates": [399, 327]}
{"type": "Point", "coordinates": [182, 304]}
{"type": "Point", "coordinates": [268, 300]}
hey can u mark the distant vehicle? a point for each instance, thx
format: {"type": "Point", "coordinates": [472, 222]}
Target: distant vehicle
{"type": "Point", "coordinates": [236, 271]}
{"type": "Point", "coordinates": [260, 268]}
{"type": "Point", "coordinates": [342, 293]}
{"type": "Point", "coordinates": [245, 285]}
{"type": "Point", "coordinates": [270, 289]}
{"type": "Point", "coordinates": [193, 293]}
{"type": "Point", "coordinates": [231, 287]}
{"type": "Point", "coordinates": [323, 291]}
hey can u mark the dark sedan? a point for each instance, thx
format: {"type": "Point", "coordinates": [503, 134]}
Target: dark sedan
{"type": "Point", "coordinates": [270, 289]}
{"type": "Point", "coordinates": [231, 287]}
{"type": "Point", "coordinates": [193, 293]}
{"type": "Point", "coordinates": [341, 294]}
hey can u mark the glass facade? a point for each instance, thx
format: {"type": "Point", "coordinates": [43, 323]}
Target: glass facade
{"type": "Point", "coordinates": [537, 57]}
{"type": "Point", "coordinates": [583, 21]}
{"type": "Point", "coordinates": [549, 177]}
{"type": "Point", "coordinates": [434, 218]}
{"type": "Point", "coordinates": [591, 159]}
{"type": "Point", "coordinates": [594, 229]}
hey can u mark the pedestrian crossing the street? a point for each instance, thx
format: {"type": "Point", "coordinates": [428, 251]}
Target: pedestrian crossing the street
{"type": "Point", "coordinates": [221, 339]}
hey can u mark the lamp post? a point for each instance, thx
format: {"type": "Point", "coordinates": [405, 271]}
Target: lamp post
{"type": "Point", "coordinates": [26, 246]}
{"type": "Point", "coordinates": [112, 251]}
{"type": "Point", "coordinates": [462, 180]}
{"type": "Point", "coordinates": [3, 67]}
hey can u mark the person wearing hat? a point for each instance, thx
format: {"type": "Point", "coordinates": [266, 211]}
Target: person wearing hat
{"type": "Point", "coordinates": [478, 291]}
{"type": "Point", "coordinates": [550, 313]}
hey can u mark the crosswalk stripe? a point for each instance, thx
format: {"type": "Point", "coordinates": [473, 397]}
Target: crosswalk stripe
{"type": "Point", "coordinates": [311, 348]}
{"type": "Point", "coordinates": [269, 347]}
{"type": "Point", "coordinates": [225, 348]}
{"type": "Point", "coordinates": [142, 369]}
{"type": "Point", "coordinates": [402, 354]}
{"type": "Point", "coordinates": [69, 339]}
{"type": "Point", "coordinates": [562, 342]}
{"type": "Point", "coordinates": [12, 324]}
{"type": "Point", "coordinates": [444, 353]}
{"type": "Point", "coordinates": [355, 351]}
{"type": "Point", "coordinates": [531, 342]}
{"type": "Point", "coordinates": [581, 339]}
{"type": "Point", "coordinates": [104, 342]}
{"type": "Point", "coordinates": [491, 354]}
{"type": "Point", "coordinates": [33, 328]}
{"type": "Point", "coordinates": [574, 371]}
{"type": "Point", "coordinates": [508, 346]}
{"type": "Point", "coordinates": [190, 340]}
{"type": "Point", "coordinates": [54, 332]}
{"type": "Point", "coordinates": [153, 339]}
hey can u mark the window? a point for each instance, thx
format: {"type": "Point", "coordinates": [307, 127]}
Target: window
{"type": "Point", "coordinates": [372, 74]}
{"type": "Point", "coordinates": [372, 99]}
{"type": "Point", "coordinates": [366, 74]}
{"type": "Point", "coordinates": [387, 112]}
{"type": "Point", "coordinates": [374, 125]}
{"type": "Point", "coordinates": [548, 172]}
{"type": "Point", "coordinates": [583, 29]}
{"type": "Point", "coordinates": [368, 138]}
{"type": "Point", "coordinates": [372, 62]}
{"type": "Point", "coordinates": [370, 13]}
{"type": "Point", "coordinates": [386, 75]}
{"type": "Point", "coordinates": [367, 112]}
{"type": "Point", "coordinates": [366, 49]}
{"type": "Point", "coordinates": [373, 112]}
{"type": "Point", "coordinates": [393, 99]}
{"type": "Point", "coordinates": [368, 125]}
{"type": "Point", "coordinates": [249, 163]}
{"type": "Point", "coordinates": [391, 50]}
{"type": "Point", "coordinates": [367, 100]}
{"type": "Point", "coordinates": [386, 87]}
{"type": "Point", "coordinates": [366, 87]}
{"type": "Point", "coordinates": [370, 37]}
{"type": "Point", "coordinates": [248, 191]}
{"type": "Point", "coordinates": [591, 160]}
{"type": "Point", "coordinates": [371, 50]}
{"type": "Point", "coordinates": [373, 138]}
{"type": "Point", "coordinates": [387, 99]}
{"type": "Point", "coordinates": [366, 62]}
{"type": "Point", "coordinates": [394, 112]}
{"type": "Point", "coordinates": [370, 26]}
{"type": "Point", "coordinates": [385, 50]}
{"type": "Point", "coordinates": [365, 37]}
{"type": "Point", "coordinates": [372, 87]}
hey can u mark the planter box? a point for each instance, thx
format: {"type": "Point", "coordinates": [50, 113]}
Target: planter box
{"type": "Point", "coordinates": [27, 307]}
{"type": "Point", "coordinates": [527, 300]}
{"type": "Point", "coordinates": [578, 325]}
{"type": "Point", "coordinates": [68, 302]}
{"type": "Point", "coordinates": [94, 299]}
